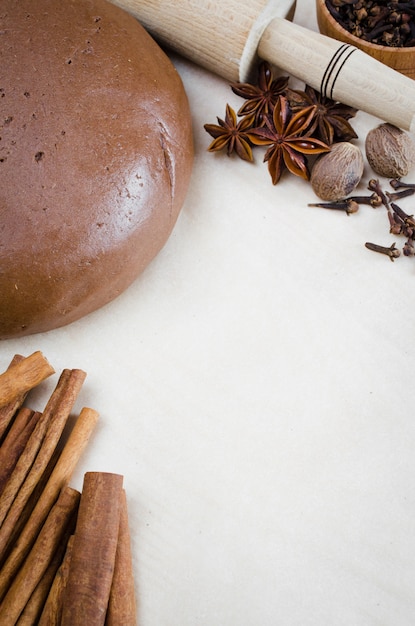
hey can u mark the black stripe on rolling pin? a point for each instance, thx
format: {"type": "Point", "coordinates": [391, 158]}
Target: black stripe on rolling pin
{"type": "Point", "coordinates": [333, 66]}
{"type": "Point", "coordinates": [330, 68]}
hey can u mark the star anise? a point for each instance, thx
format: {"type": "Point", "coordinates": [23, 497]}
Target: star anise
{"type": "Point", "coordinates": [330, 121]}
{"type": "Point", "coordinates": [261, 97]}
{"type": "Point", "coordinates": [288, 136]}
{"type": "Point", "coordinates": [232, 135]}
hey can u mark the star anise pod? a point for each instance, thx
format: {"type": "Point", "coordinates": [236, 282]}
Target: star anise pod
{"type": "Point", "coordinates": [232, 135]}
{"type": "Point", "coordinates": [261, 97]}
{"type": "Point", "coordinates": [288, 136]}
{"type": "Point", "coordinates": [330, 121]}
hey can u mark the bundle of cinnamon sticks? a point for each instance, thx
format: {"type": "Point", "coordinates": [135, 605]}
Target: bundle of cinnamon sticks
{"type": "Point", "coordinates": [65, 555]}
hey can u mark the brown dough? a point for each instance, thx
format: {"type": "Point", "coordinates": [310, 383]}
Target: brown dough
{"type": "Point", "coordinates": [95, 158]}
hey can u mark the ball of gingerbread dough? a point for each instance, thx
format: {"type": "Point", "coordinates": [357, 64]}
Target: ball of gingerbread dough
{"type": "Point", "coordinates": [95, 158]}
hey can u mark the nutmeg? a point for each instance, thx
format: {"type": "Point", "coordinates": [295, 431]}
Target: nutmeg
{"type": "Point", "coordinates": [336, 173]}
{"type": "Point", "coordinates": [390, 151]}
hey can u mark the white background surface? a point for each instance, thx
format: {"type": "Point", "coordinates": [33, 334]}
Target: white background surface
{"type": "Point", "coordinates": [255, 387]}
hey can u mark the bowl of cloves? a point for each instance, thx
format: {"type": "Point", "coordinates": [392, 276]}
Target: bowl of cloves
{"type": "Point", "coordinates": [384, 29]}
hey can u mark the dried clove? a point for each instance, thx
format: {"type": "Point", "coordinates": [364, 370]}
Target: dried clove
{"type": "Point", "coordinates": [396, 224]}
{"type": "Point", "coordinates": [374, 185]}
{"type": "Point", "coordinates": [373, 200]}
{"type": "Point", "coordinates": [400, 194]}
{"type": "Point", "coordinates": [392, 252]}
{"type": "Point", "coordinates": [408, 248]}
{"type": "Point", "coordinates": [383, 23]}
{"type": "Point", "coordinates": [348, 205]}
{"type": "Point", "coordinates": [408, 220]}
{"type": "Point", "coordinates": [396, 183]}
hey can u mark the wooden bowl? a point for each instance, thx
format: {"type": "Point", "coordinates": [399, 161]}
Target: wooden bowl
{"type": "Point", "coordinates": [400, 59]}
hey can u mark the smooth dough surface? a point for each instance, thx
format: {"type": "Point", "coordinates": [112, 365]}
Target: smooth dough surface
{"type": "Point", "coordinates": [95, 158]}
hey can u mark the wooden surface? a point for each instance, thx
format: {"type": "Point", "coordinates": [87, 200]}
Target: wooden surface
{"type": "Point", "coordinates": [255, 389]}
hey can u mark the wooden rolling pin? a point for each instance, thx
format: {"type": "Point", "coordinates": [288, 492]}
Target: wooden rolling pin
{"type": "Point", "coordinates": [228, 36]}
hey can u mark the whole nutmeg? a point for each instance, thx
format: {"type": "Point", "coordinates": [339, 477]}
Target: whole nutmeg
{"type": "Point", "coordinates": [336, 173]}
{"type": "Point", "coordinates": [390, 151]}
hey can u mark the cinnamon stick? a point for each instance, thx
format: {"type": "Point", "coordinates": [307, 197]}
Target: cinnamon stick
{"type": "Point", "coordinates": [31, 613]}
{"type": "Point", "coordinates": [122, 604]}
{"type": "Point", "coordinates": [93, 553]}
{"type": "Point", "coordinates": [29, 454]}
{"type": "Point", "coordinates": [23, 376]}
{"type": "Point", "coordinates": [15, 442]}
{"type": "Point", "coordinates": [30, 505]}
{"type": "Point", "coordinates": [36, 456]}
{"type": "Point", "coordinates": [59, 520]}
{"type": "Point", "coordinates": [8, 411]}
{"type": "Point", "coordinates": [59, 477]}
{"type": "Point", "coordinates": [52, 610]}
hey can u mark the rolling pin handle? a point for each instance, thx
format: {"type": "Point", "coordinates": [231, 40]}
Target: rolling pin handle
{"type": "Point", "coordinates": [228, 37]}
{"type": "Point", "coordinates": [341, 72]}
